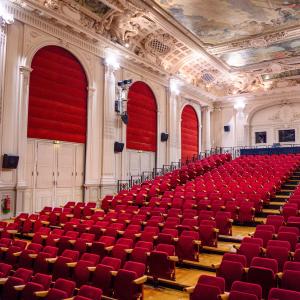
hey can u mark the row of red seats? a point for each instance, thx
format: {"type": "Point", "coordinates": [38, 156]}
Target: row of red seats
{"type": "Point", "coordinates": [212, 288]}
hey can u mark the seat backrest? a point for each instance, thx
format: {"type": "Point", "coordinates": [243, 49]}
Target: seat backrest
{"type": "Point", "coordinates": [90, 292]}
{"type": "Point", "coordinates": [236, 295]}
{"type": "Point", "coordinates": [93, 258]}
{"type": "Point", "coordinates": [42, 279]}
{"type": "Point", "coordinates": [267, 263]}
{"type": "Point", "coordinates": [218, 282]}
{"type": "Point", "coordinates": [247, 287]}
{"type": "Point", "coordinates": [204, 291]}
{"type": "Point", "coordinates": [113, 262]}
{"type": "Point", "coordinates": [290, 280]}
{"type": "Point", "coordinates": [65, 285]}
{"type": "Point", "coordinates": [291, 265]}
{"type": "Point", "coordinates": [138, 268]}
{"type": "Point", "coordinates": [169, 249]}
{"type": "Point", "coordinates": [24, 274]}
{"type": "Point", "coordinates": [235, 258]}
{"type": "Point", "coordinates": [281, 294]}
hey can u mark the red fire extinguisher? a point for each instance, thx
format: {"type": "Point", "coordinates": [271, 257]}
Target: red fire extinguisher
{"type": "Point", "coordinates": [6, 205]}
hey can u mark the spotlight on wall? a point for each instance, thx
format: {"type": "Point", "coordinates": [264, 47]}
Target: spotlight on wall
{"type": "Point", "coordinates": [121, 101]}
{"type": "Point", "coordinates": [5, 17]}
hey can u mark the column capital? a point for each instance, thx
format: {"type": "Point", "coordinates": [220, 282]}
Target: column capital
{"type": "Point", "coordinates": [206, 108]}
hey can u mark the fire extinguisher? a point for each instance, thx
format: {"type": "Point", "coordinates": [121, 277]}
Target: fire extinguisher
{"type": "Point", "coordinates": [6, 205]}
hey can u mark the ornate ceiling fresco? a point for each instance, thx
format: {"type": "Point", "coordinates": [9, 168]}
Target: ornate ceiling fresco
{"type": "Point", "coordinates": [220, 21]}
{"type": "Point", "coordinates": [223, 47]}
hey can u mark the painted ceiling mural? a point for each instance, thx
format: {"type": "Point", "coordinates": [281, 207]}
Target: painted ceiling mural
{"type": "Point", "coordinates": [241, 58]}
{"type": "Point", "coordinates": [219, 21]}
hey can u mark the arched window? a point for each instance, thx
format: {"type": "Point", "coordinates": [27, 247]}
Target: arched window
{"type": "Point", "coordinates": [57, 96]}
{"type": "Point", "coordinates": [189, 133]}
{"type": "Point", "coordinates": [142, 118]}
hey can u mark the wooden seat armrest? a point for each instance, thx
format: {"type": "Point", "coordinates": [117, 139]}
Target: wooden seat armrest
{"type": "Point", "coordinates": [3, 280]}
{"type": "Point", "coordinates": [3, 249]}
{"type": "Point", "coordinates": [103, 229]}
{"type": "Point", "coordinates": [71, 264]}
{"type": "Point", "coordinates": [140, 280]}
{"type": "Point", "coordinates": [173, 258]}
{"type": "Point", "coordinates": [51, 260]}
{"type": "Point", "coordinates": [292, 254]}
{"type": "Point", "coordinates": [69, 215]}
{"type": "Point", "coordinates": [246, 270]}
{"type": "Point", "coordinates": [114, 273]}
{"type": "Point", "coordinates": [19, 287]}
{"type": "Point", "coordinates": [121, 232]}
{"type": "Point", "coordinates": [71, 298]}
{"type": "Point", "coordinates": [197, 242]}
{"type": "Point", "coordinates": [89, 244]}
{"type": "Point", "coordinates": [279, 275]}
{"type": "Point", "coordinates": [230, 220]}
{"type": "Point", "coordinates": [32, 255]}
{"type": "Point", "coordinates": [237, 247]}
{"type": "Point", "coordinates": [109, 248]}
{"type": "Point", "coordinates": [263, 250]}
{"type": "Point", "coordinates": [137, 235]}
{"type": "Point", "coordinates": [92, 269]}
{"type": "Point", "coordinates": [17, 253]}
{"type": "Point", "coordinates": [155, 237]}
{"type": "Point", "coordinates": [58, 214]}
{"type": "Point", "coordinates": [114, 220]}
{"type": "Point", "coordinates": [161, 224]}
{"type": "Point", "coordinates": [189, 289]}
{"type": "Point", "coordinates": [128, 251]}
{"type": "Point", "coordinates": [41, 293]}
{"type": "Point", "coordinates": [175, 239]}
{"type": "Point", "coordinates": [216, 266]}
{"type": "Point", "coordinates": [45, 222]}
{"type": "Point", "coordinates": [72, 242]}
{"type": "Point", "coordinates": [224, 296]}
{"type": "Point", "coordinates": [216, 230]}
{"type": "Point", "coordinates": [44, 236]}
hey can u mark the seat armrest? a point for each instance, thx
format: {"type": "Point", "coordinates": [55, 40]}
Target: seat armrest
{"type": "Point", "coordinates": [109, 248]}
{"type": "Point", "coordinates": [246, 270]}
{"type": "Point", "coordinates": [197, 242]}
{"type": "Point", "coordinates": [173, 258]}
{"type": "Point", "coordinates": [140, 280]}
{"type": "Point", "coordinates": [3, 280]}
{"type": "Point", "coordinates": [41, 294]}
{"type": "Point", "coordinates": [32, 255]}
{"type": "Point", "coordinates": [19, 287]}
{"type": "Point", "coordinates": [17, 253]}
{"type": "Point", "coordinates": [216, 266]}
{"type": "Point", "coordinates": [92, 269]}
{"type": "Point", "coordinates": [51, 260]}
{"type": "Point", "coordinates": [72, 242]}
{"type": "Point", "coordinates": [114, 273]}
{"type": "Point", "coordinates": [189, 289]}
{"type": "Point", "coordinates": [279, 275]}
{"type": "Point", "coordinates": [128, 251]}
{"type": "Point", "coordinates": [224, 296]}
{"type": "Point", "coordinates": [71, 264]}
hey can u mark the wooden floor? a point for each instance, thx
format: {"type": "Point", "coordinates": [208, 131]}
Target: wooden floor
{"type": "Point", "coordinates": [151, 293]}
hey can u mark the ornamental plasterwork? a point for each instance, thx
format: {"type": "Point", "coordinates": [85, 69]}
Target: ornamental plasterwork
{"type": "Point", "coordinates": [131, 25]}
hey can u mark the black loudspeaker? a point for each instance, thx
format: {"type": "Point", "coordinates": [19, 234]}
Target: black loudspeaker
{"type": "Point", "coordinates": [10, 161]}
{"type": "Point", "coordinates": [118, 147]}
{"type": "Point", "coordinates": [226, 128]}
{"type": "Point", "coordinates": [164, 136]}
{"type": "Point", "coordinates": [124, 118]}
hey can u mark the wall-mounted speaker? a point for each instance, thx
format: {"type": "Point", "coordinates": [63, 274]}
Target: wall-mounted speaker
{"type": "Point", "coordinates": [226, 128]}
{"type": "Point", "coordinates": [10, 161]}
{"type": "Point", "coordinates": [164, 136]}
{"type": "Point", "coordinates": [118, 147]}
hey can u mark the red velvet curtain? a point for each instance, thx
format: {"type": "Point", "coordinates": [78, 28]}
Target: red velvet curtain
{"type": "Point", "coordinates": [189, 133]}
{"type": "Point", "coordinates": [142, 118]}
{"type": "Point", "coordinates": [57, 97]}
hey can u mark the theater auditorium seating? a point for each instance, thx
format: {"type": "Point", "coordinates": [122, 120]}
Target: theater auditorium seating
{"type": "Point", "coordinates": [85, 251]}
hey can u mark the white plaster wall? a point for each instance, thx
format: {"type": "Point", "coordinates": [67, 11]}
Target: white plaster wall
{"type": "Point", "coordinates": [274, 118]}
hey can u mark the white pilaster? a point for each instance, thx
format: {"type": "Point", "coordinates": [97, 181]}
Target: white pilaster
{"type": "Point", "coordinates": [172, 127]}
{"type": "Point", "coordinates": [207, 127]}
{"type": "Point", "coordinates": [108, 179]}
